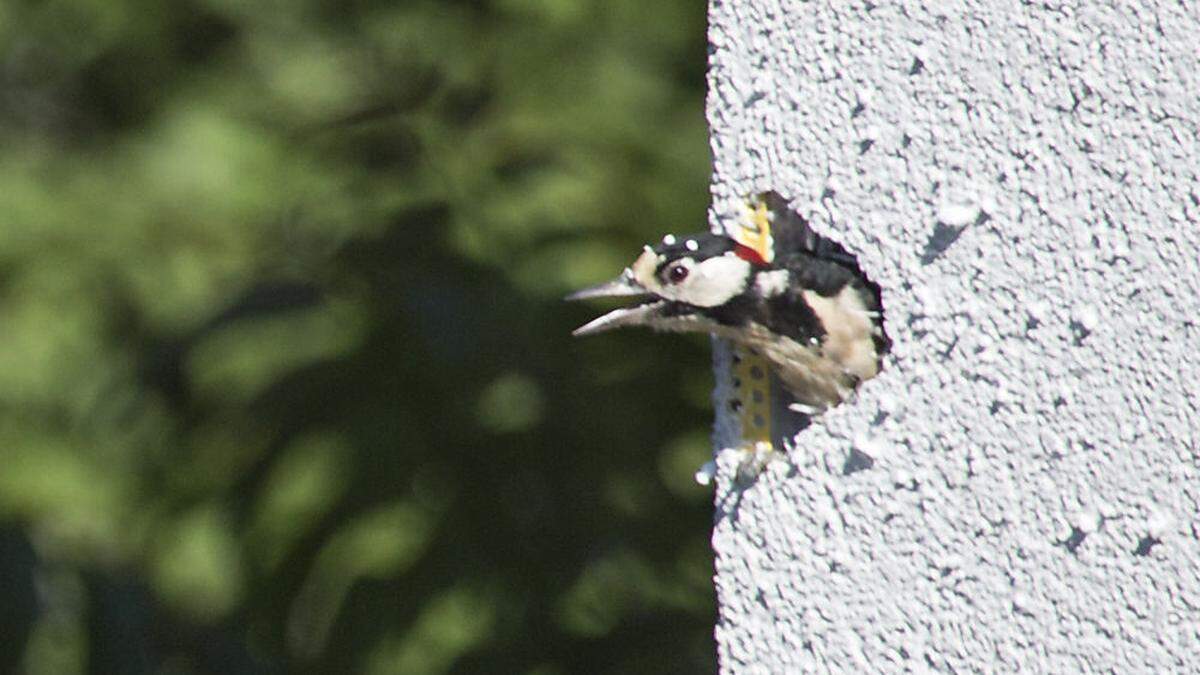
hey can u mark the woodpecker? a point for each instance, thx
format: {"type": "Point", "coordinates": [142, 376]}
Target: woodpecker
{"type": "Point", "coordinates": [809, 312]}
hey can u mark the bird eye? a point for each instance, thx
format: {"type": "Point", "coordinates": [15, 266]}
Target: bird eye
{"type": "Point", "coordinates": [677, 273]}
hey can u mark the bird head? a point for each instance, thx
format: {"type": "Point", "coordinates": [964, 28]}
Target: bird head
{"type": "Point", "coordinates": [675, 281]}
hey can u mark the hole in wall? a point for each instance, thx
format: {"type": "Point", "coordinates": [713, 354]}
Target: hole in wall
{"type": "Point", "coordinates": [1079, 332]}
{"type": "Point", "coordinates": [1074, 540]}
{"type": "Point", "coordinates": [857, 461]}
{"type": "Point", "coordinates": [942, 238]}
{"type": "Point", "coordinates": [830, 306]}
{"type": "Point", "coordinates": [798, 306]}
{"type": "Point", "coordinates": [1146, 544]}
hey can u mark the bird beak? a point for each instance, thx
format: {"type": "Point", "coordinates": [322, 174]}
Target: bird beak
{"type": "Point", "coordinates": [622, 286]}
{"type": "Point", "coordinates": [637, 315]}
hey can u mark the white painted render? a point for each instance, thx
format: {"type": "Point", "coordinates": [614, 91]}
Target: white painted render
{"type": "Point", "coordinates": [1021, 179]}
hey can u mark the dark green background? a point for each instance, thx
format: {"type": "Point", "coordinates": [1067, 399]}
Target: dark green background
{"type": "Point", "coordinates": [287, 384]}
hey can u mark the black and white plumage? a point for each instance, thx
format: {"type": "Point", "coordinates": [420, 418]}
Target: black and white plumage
{"type": "Point", "coordinates": [809, 312]}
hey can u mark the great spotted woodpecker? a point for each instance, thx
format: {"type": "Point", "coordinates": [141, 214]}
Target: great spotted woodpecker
{"type": "Point", "coordinates": [809, 312]}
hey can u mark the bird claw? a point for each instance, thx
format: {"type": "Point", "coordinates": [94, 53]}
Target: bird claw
{"type": "Point", "coordinates": [805, 409]}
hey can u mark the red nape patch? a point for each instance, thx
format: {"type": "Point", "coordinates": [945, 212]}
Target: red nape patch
{"type": "Point", "coordinates": [748, 254]}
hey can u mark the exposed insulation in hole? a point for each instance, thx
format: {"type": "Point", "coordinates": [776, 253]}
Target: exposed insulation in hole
{"type": "Point", "coordinates": [752, 386]}
{"type": "Point", "coordinates": [752, 402]}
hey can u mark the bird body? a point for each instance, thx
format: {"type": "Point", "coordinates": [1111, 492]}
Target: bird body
{"type": "Point", "coordinates": [809, 311]}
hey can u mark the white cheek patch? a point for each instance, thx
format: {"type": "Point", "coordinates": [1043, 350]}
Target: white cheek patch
{"type": "Point", "coordinates": [771, 284]}
{"type": "Point", "coordinates": [709, 283]}
{"type": "Point", "coordinates": [712, 282]}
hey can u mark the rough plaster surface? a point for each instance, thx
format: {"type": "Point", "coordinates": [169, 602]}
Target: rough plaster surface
{"type": "Point", "coordinates": [1021, 179]}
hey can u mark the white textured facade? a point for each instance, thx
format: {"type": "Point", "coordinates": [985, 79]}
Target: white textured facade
{"type": "Point", "coordinates": [1024, 484]}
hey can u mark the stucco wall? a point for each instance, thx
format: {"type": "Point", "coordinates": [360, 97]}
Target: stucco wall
{"type": "Point", "coordinates": [1021, 179]}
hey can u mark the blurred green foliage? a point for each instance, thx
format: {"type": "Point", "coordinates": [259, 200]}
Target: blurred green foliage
{"type": "Point", "coordinates": [285, 381]}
